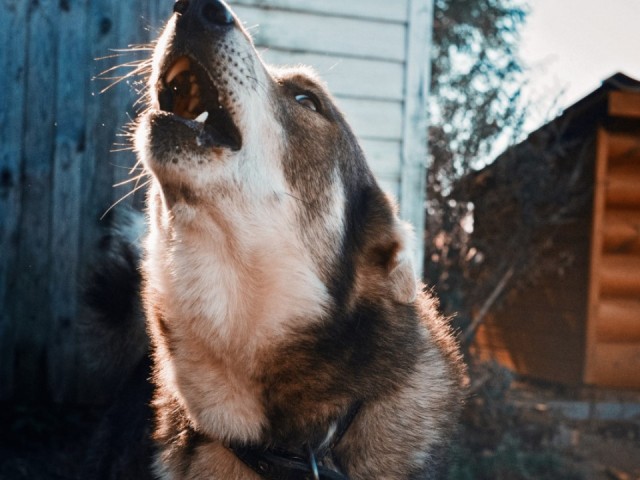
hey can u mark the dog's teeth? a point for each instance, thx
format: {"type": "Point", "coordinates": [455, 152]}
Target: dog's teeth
{"type": "Point", "coordinates": [202, 117]}
{"type": "Point", "coordinates": [180, 66]}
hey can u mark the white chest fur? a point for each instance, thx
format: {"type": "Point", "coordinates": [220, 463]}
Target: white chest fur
{"type": "Point", "coordinates": [228, 297]}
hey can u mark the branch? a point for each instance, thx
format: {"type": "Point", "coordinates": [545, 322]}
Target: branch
{"type": "Point", "coordinates": [486, 306]}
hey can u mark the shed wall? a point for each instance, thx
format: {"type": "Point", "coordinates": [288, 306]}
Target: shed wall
{"type": "Point", "coordinates": [541, 329]}
{"type": "Point", "coordinates": [581, 324]}
{"type": "Point", "coordinates": [613, 342]}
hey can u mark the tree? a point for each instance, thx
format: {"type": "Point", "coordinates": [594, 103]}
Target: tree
{"type": "Point", "coordinates": [476, 110]}
{"type": "Point", "coordinates": [530, 195]}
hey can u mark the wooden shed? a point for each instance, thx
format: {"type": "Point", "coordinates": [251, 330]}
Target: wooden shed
{"type": "Point", "coordinates": [61, 152]}
{"type": "Point", "coordinates": [580, 321]}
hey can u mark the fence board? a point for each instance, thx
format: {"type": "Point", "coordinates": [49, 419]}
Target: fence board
{"type": "Point", "coordinates": [32, 317]}
{"type": "Point", "coordinates": [392, 187]}
{"type": "Point", "coordinates": [414, 140]}
{"type": "Point", "coordinates": [384, 157]}
{"type": "Point", "coordinates": [104, 118]}
{"type": "Point", "coordinates": [348, 77]}
{"type": "Point", "coordinates": [159, 13]}
{"type": "Point", "coordinates": [373, 119]}
{"type": "Point", "coordinates": [342, 36]}
{"type": "Point", "coordinates": [129, 32]}
{"type": "Point", "coordinates": [66, 186]}
{"type": "Point", "coordinates": [13, 18]}
{"type": "Point", "coordinates": [395, 11]}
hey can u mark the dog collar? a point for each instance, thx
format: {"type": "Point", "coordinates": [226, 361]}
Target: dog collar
{"type": "Point", "coordinates": [278, 464]}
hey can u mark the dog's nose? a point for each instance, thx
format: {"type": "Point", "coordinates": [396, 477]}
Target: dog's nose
{"type": "Point", "coordinates": [216, 12]}
{"type": "Point", "coordinates": [205, 12]}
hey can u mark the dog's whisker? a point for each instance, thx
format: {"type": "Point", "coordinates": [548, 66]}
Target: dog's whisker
{"type": "Point", "coordinates": [130, 180]}
{"type": "Point", "coordinates": [124, 197]}
{"type": "Point", "coordinates": [124, 167]}
{"type": "Point", "coordinates": [137, 166]}
{"type": "Point", "coordinates": [134, 48]}
{"type": "Point", "coordinates": [134, 64]}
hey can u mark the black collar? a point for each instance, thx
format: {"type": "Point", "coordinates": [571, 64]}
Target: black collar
{"type": "Point", "coordinates": [278, 464]}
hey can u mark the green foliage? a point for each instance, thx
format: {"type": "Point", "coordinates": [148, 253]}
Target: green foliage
{"type": "Point", "coordinates": [477, 77]}
{"type": "Point", "coordinates": [476, 110]}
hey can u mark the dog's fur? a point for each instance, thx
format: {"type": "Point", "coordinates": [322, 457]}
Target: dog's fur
{"type": "Point", "coordinates": [278, 282]}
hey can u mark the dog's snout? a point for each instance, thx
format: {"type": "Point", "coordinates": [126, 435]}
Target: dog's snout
{"type": "Point", "coordinates": [205, 13]}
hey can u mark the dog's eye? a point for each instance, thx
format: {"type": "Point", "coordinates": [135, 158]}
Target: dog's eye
{"type": "Point", "coordinates": [307, 101]}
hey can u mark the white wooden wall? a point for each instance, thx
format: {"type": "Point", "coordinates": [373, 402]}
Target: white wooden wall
{"type": "Point", "coordinates": [374, 55]}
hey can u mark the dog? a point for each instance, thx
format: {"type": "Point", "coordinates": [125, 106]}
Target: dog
{"type": "Point", "coordinates": [290, 337]}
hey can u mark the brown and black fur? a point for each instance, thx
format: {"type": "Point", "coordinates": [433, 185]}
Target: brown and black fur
{"type": "Point", "coordinates": [233, 265]}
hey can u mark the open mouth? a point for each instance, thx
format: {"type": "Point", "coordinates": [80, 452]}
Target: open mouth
{"type": "Point", "coordinates": [187, 91]}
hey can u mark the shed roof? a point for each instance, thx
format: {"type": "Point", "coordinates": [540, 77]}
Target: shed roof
{"type": "Point", "coordinates": [563, 130]}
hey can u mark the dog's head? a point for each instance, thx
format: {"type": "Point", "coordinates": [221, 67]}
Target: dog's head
{"type": "Point", "coordinates": [262, 153]}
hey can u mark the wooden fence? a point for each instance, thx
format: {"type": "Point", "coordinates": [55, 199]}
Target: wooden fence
{"type": "Point", "coordinates": [57, 168]}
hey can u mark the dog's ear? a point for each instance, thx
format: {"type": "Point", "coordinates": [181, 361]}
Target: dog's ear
{"type": "Point", "coordinates": [401, 274]}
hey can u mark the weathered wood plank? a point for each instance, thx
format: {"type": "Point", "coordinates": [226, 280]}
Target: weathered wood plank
{"type": "Point", "coordinates": [130, 31]}
{"type": "Point", "coordinates": [599, 197]}
{"type": "Point", "coordinates": [619, 320]}
{"type": "Point", "coordinates": [159, 13]}
{"type": "Point", "coordinates": [389, 186]}
{"type": "Point", "coordinates": [31, 310]}
{"type": "Point", "coordinates": [373, 119]}
{"type": "Point", "coordinates": [622, 231]}
{"type": "Point", "coordinates": [624, 104]}
{"type": "Point", "coordinates": [620, 275]}
{"type": "Point", "coordinates": [13, 18]}
{"type": "Point", "coordinates": [384, 10]}
{"type": "Point", "coordinates": [623, 145]}
{"type": "Point", "coordinates": [310, 33]}
{"type": "Point", "coordinates": [348, 76]}
{"type": "Point", "coordinates": [414, 154]}
{"type": "Point", "coordinates": [616, 365]}
{"type": "Point", "coordinates": [623, 187]}
{"type": "Point", "coordinates": [66, 222]}
{"type": "Point", "coordinates": [104, 118]}
{"type": "Point", "coordinates": [383, 158]}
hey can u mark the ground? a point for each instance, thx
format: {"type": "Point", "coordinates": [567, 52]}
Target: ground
{"type": "Point", "coordinates": [512, 430]}
{"type": "Point", "coordinates": [517, 429]}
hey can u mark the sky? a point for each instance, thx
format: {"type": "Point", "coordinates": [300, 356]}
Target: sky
{"type": "Point", "coordinates": [572, 45]}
